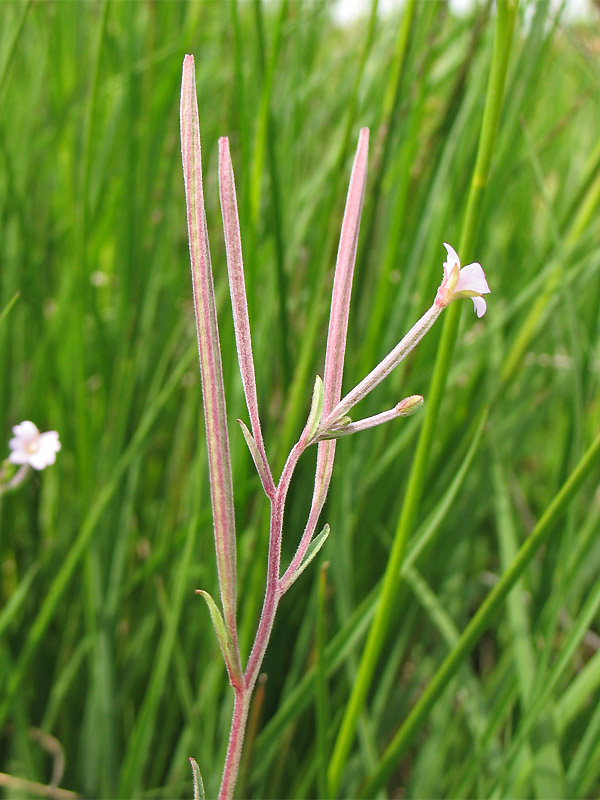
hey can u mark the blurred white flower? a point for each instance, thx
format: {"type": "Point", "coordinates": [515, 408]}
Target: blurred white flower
{"type": "Point", "coordinates": [29, 446]}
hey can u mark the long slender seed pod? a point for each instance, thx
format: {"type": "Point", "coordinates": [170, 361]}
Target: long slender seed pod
{"type": "Point", "coordinates": [211, 370]}
{"type": "Point", "coordinates": [239, 305]}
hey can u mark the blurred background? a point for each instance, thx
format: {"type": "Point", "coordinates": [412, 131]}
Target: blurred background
{"type": "Point", "coordinates": [108, 662]}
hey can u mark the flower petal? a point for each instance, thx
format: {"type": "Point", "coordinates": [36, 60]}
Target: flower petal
{"type": "Point", "coordinates": [480, 306]}
{"type": "Point", "coordinates": [453, 259]}
{"type": "Point", "coordinates": [26, 430]}
{"type": "Point", "coordinates": [472, 279]}
{"type": "Point", "coordinates": [49, 441]}
{"type": "Point", "coordinates": [18, 457]}
{"type": "Point", "coordinates": [41, 459]}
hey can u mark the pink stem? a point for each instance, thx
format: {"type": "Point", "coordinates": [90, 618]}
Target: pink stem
{"type": "Point", "coordinates": [17, 479]}
{"type": "Point", "coordinates": [322, 479]}
{"type": "Point", "coordinates": [265, 625]}
{"type": "Point", "coordinates": [241, 704]}
{"type": "Point", "coordinates": [273, 588]}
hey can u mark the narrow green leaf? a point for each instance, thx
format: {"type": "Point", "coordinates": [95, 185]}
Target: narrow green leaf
{"type": "Point", "coordinates": [16, 599]}
{"type": "Point", "coordinates": [322, 711]}
{"type": "Point", "coordinates": [542, 747]}
{"type": "Point", "coordinates": [577, 694]}
{"type": "Point", "coordinates": [229, 654]}
{"type": "Point", "coordinates": [314, 547]}
{"type": "Point", "coordinates": [316, 408]}
{"type": "Point", "coordinates": [583, 768]}
{"type": "Point", "coordinates": [199, 793]}
{"type": "Point", "coordinates": [259, 463]}
{"type": "Point", "coordinates": [6, 310]}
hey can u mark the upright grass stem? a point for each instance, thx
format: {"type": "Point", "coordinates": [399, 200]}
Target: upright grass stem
{"type": "Point", "coordinates": [506, 15]}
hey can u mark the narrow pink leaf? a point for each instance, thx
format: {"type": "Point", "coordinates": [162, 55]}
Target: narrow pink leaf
{"type": "Point", "coordinates": [211, 370]}
{"type": "Point", "coordinates": [239, 305]}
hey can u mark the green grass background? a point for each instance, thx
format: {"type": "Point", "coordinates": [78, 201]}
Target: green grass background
{"type": "Point", "coordinates": [103, 644]}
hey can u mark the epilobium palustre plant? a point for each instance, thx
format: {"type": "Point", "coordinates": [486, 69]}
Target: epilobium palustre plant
{"type": "Point", "coordinates": [329, 413]}
{"type": "Point", "coordinates": [30, 449]}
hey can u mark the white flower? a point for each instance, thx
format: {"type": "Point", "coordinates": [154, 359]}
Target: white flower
{"type": "Point", "coordinates": [29, 446]}
{"type": "Point", "coordinates": [466, 282]}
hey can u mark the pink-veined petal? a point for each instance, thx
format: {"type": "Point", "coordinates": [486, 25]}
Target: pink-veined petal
{"type": "Point", "coordinates": [480, 306]}
{"type": "Point", "coordinates": [472, 279]}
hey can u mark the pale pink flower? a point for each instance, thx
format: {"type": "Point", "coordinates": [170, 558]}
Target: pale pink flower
{"type": "Point", "coordinates": [29, 446]}
{"type": "Point", "coordinates": [466, 282]}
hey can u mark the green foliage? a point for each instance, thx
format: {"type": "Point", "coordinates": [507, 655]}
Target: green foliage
{"type": "Point", "coordinates": [103, 643]}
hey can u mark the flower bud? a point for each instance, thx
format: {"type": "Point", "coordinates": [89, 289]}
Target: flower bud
{"type": "Point", "coordinates": [410, 405]}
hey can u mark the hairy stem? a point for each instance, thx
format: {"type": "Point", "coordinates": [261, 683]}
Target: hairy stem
{"type": "Point", "coordinates": [241, 704]}
{"type": "Point", "coordinates": [273, 592]}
